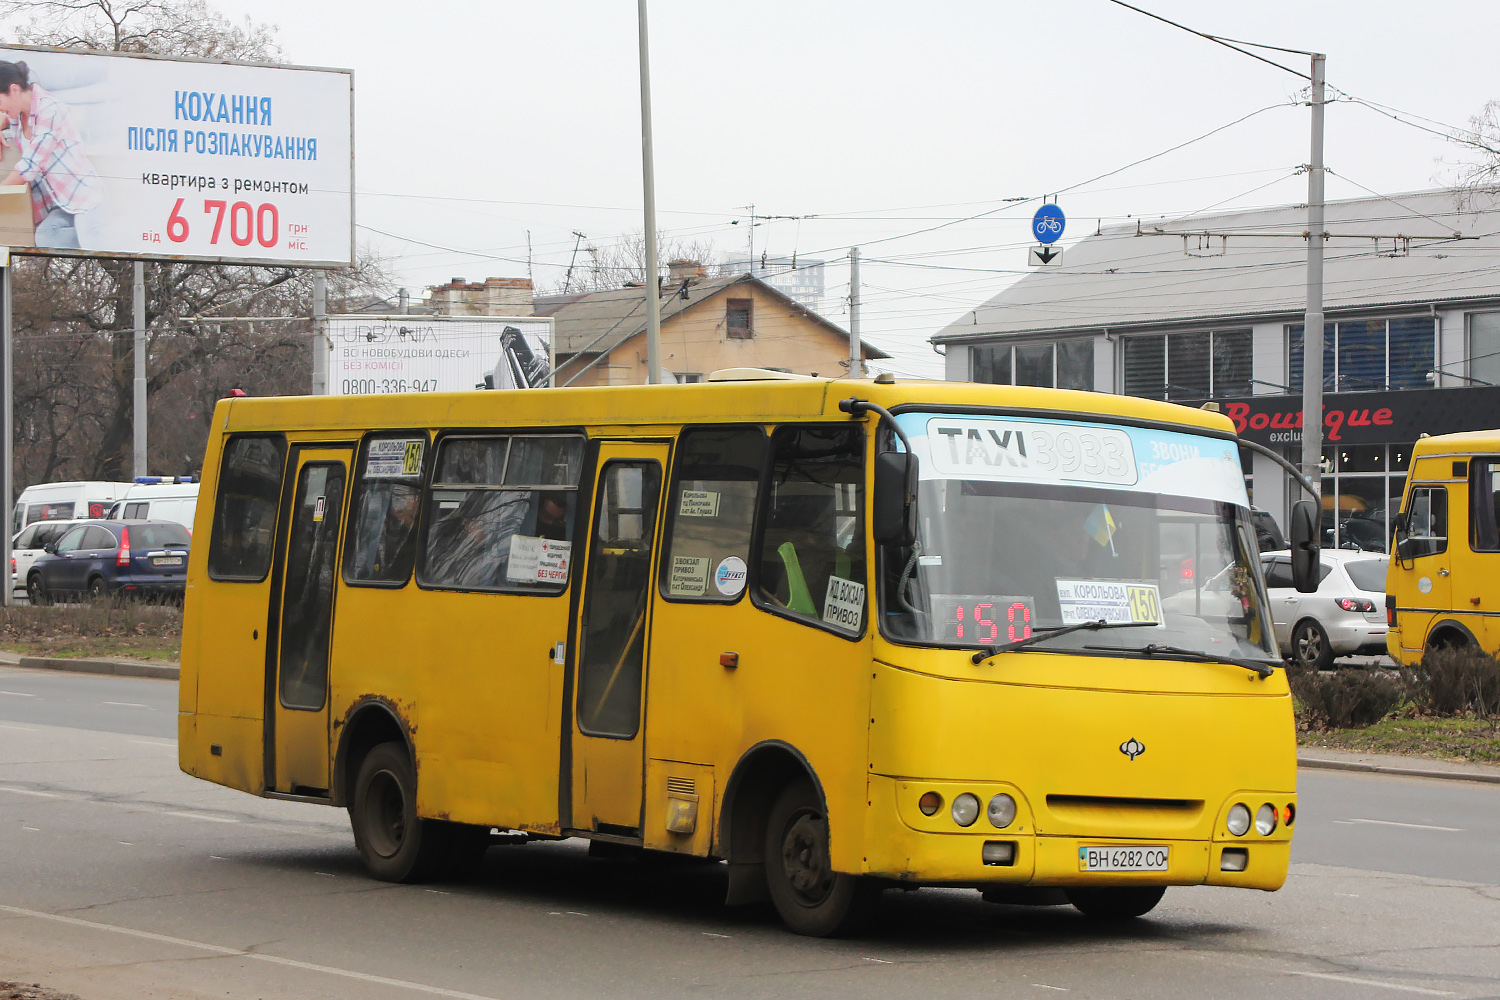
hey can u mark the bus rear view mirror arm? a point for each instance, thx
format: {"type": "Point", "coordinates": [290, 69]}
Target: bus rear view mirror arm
{"type": "Point", "coordinates": [893, 509]}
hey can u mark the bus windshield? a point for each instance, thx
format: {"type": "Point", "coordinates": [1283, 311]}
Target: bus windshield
{"type": "Point", "coordinates": [1028, 525]}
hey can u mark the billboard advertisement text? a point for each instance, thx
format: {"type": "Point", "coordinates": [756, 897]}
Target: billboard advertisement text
{"type": "Point", "coordinates": [111, 155]}
{"type": "Point", "coordinates": [378, 355]}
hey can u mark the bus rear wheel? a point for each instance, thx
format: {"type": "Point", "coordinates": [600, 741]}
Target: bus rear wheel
{"type": "Point", "coordinates": [396, 845]}
{"type": "Point", "coordinates": [1117, 902]}
{"type": "Point", "coordinates": [809, 895]}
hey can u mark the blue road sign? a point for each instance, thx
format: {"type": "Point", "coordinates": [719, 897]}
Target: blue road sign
{"type": "Point", "coordinates": [1048, 223]}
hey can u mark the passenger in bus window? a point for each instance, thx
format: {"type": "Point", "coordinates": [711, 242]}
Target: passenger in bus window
{"type": "Point", "coordinates": [552, 516]}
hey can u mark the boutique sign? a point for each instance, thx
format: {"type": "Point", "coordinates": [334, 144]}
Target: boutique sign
{"type": "Point", "coordinates": [1367, 417]}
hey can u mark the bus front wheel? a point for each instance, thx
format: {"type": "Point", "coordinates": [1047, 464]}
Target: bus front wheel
{"type": "Point", "coordinates": [1116, 902]}
{"type": "Point", "coordinates": [809, 895]}
{"type": "Point", "coordinates": [396, 845]}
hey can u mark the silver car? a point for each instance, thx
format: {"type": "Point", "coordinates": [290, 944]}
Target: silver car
{"type": "Point", "coordinates": [27, 545]}
{"type": "Point", "coordinates": [1345, 617]}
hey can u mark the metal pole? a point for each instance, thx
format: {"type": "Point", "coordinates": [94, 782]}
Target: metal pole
{"type": "Point", "coordinates": [138, 320]}
{"type": "Point", "coordinates": [7, 415]}
{"type": "Point", "coordinates": [1312, 324]}
{"type": "Point", "coordinates": [856, 368]}
{"type": "Point", "coordinates": [648, 172]}
{"type": "Point", "coordinates": [320, 334]}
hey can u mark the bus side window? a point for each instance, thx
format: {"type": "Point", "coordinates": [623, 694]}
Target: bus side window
{"type": "Point", "coordinates": [244, 525]}
{"type": "Point", "coordinates": [811, 562]}
{"type": "Point", "coordinates": [1484, 509]}
{"type": "Point", "coordinates": [714, 485]}
{"type": "Point", "coordinates": [1428, 520]}
{"type": "Point", "coordinates": [382, 542]}
{"type": "Point", "coordinates": [500, 513]}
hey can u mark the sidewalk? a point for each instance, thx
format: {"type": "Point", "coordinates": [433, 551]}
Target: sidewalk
{"type": "Point", "coordinates": [120, 668]}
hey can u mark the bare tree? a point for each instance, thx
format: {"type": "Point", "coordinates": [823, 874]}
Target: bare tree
{"type": "Point", "coordinates": [1479, 164]}
{"type": "Point", "coordinates": [623, 261]}
{"type": "Point", "coordinates": [75, 351]}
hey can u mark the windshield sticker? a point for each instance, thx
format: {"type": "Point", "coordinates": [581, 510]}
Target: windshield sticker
{"type": "Point", "coordinates": [1054, 452]}
{"type": "Point", "coordinates": [698, 503]}
{"type": "Point", "coordinates": [844, 604]}
{"type": "Point", "coordinates": [986, 620]}
{"type": "Point", "coordinates": [538, 560]}
{"type": "Point", "coordinates": [729, 576]}
{"type": "Point", "coordinates": [393, 458]}
{"type": "Point", "coordinates": [1111, 601]}
{"type": "Point", "coordinates": [689, 576]}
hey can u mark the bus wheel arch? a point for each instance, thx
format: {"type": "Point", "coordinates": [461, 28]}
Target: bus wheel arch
{"type": "Point", "coordinates": [758, 779]}
{"type": "Point", "coordinates": [1449, 634]}
{"type": "Point", "coordinates": [371, 722]}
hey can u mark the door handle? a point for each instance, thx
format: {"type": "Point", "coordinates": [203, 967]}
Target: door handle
{"type": "Point", "coordinates": [1442, 572]}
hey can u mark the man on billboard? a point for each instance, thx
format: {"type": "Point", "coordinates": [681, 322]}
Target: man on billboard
{"type": "Point", "coordinates": [67, 197]}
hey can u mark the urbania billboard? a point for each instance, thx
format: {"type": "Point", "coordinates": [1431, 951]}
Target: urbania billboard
{"type": "Point", "coordinates": [109, 155]}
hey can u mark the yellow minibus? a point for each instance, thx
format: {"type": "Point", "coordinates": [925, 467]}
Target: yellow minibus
{"type": "Point", "coordinates": [840, 635]}
{"type": "Point", "coordinates": [1443, 584]}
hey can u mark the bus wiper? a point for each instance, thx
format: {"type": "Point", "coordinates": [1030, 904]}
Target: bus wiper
{"type": "Point", "coordinates": [1037, 635]}
{"type": "Point", "coordinates": [1193, 655]}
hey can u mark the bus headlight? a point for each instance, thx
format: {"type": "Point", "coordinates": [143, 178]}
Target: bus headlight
{"type": "Point", "coordinates": [965, 809]}
{"type": "Point", "coordinates": [1265, 820]}
{"type": "Point", "coordinates": [1239, 819]}
{"type": "Point", "coordinates": [1001, 811]}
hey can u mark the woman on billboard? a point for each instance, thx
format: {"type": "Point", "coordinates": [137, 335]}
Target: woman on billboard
{"type": "Point", "coordinates": [66, 193]}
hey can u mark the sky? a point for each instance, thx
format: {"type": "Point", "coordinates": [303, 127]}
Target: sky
{"type": "Point", "coordinates": [489, 133]}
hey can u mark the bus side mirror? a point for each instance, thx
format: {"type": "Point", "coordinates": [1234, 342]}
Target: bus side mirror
{"type": "Point", "coordinates": [1305, 516]}
{"type": "Point", "coordinates": [893, 510]}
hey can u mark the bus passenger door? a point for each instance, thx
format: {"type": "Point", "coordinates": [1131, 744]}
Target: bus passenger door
{"type": "Point", "coordinates": [608, 745]}
{"type": "Point", "coordinates": [297, 741]}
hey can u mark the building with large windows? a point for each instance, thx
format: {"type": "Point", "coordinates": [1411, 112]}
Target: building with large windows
{"type": "Point", "coordinates": [1211, 308]}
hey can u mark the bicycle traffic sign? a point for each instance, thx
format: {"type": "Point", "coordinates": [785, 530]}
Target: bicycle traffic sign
{"type": "Point", "coordinates": [1048, 223]}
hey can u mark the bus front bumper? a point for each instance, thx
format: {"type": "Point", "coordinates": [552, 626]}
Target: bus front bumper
{"type": "Point", "coordinates": [1018, 856]}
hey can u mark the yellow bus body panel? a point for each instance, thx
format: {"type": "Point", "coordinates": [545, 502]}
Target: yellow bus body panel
{"type": "Point", "coordinates": [473, 681]}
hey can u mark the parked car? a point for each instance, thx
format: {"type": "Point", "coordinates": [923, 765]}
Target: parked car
{"type": "Point", "coordinates": [28, 545]}
{"type": "Point", "coordinates": [158, 498]}
{"type": "Point", "coordinates": [98, 558]}
{"type": "Point", "coordinates": [1346, 616]}
{"type": "Point", "coordinates": [64, 502]}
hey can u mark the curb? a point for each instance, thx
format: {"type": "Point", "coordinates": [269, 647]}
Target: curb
{"type": "Point", "coordinates": [119, 668]}
{"type": "Point", "coordinates": [1317, 763]}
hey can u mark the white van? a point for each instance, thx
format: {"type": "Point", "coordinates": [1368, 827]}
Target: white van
{"type": "Point", "coordinates": [159, 498]}
{"type": "Point", "coordinates": [65, 502]}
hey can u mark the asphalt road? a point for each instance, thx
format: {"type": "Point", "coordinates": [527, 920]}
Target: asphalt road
{"type": "Point", "coordinates": [121, 877]}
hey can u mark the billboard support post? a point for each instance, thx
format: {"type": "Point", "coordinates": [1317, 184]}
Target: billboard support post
{"type": "Point", "coordinates": [320, 342]}
{"type": "Point", "coordinates": [138, 323]}
{"type": "Point", "coordinates": [7, 416]}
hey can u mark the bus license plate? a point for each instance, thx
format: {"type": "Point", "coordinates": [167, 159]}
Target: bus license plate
{"type": "Point", "coordinates": [1147, 858]}
{"type": "Point", "coordinates": [167, 561]}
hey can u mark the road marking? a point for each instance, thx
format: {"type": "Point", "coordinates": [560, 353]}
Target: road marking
{"type": "Point", "coordinates": [1408, 826]}
{"type": "Point", "coordinates": [27, 791]}
{"type": "Point", "coordinates": [154, 743]}
{"type": "Point", "coordinates": [240, 953]}
{"type": "Point", "coordinates": [206, 819]}
{"type": "Point", "coordinates": [19, 729]}
{"type": "Point", "coordinates": [1044, 986]}
{"type": "Point", "coordinates": [126, 704]}
{"type": "Point", "coordinates": [18, 694]}
{"type": "Point", "coordinates": [33, 829]}
{"type": "Point", "coordinates": [1376, 982]}
{"type": "Point", "coordinates": [726, 937]}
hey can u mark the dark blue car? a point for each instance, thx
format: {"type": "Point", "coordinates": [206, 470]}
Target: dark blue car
{"type": "Point", "coordinates": [146, 559]}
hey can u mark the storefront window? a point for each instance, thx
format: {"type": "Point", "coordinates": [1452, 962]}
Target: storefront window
{"type": "Point", "coordinates": [1067, 364]}
{"type": "Point", "coordinates": [1367, 355]}
{"type": "Point", "coordinates": [1188, 366]}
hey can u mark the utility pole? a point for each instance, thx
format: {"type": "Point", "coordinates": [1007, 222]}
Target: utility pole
{"type": "Point", "coordinates": [320, 334]}
{"type": "Point", "coordinates": [7, 415]}
{"type": "Point", "coordinates": [1312, 324]}
{"type": "Point", "coordinates": [139, 309]}
{"type": "Point", "coordinates": [648, 174]}
{"type": "Point", "coordinates": [856, 366]}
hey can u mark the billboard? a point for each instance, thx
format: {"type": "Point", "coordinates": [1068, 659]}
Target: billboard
{"type": "Point", "coordinates": [136, 156]}
{"type": "Point", "coordinates": [377, 355]}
